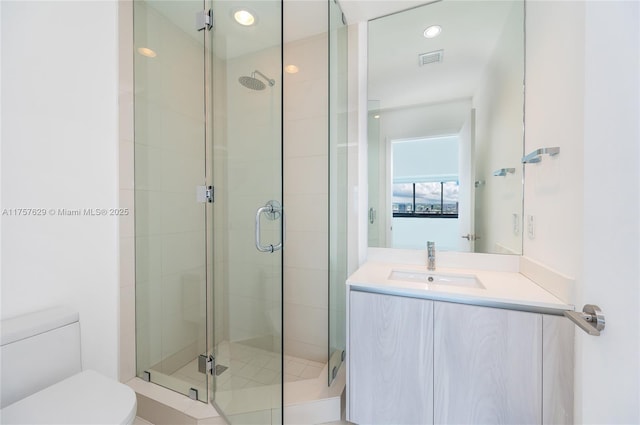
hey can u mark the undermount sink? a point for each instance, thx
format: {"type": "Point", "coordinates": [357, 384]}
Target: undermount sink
{"type": "Point", "coordinates": [437, 278]}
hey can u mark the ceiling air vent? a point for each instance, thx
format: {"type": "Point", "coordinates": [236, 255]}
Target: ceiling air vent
{"type": "Point", "coordinates": [430, 57]}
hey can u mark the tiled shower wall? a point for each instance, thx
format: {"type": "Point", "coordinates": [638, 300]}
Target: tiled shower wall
{"type": "Point", "coordinates": [305, 198]}
{"type": "Point", "coordinates": [252, 176]}
{"type": "Point", "coordinates": [306, 194]}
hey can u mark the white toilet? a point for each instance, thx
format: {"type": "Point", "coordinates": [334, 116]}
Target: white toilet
{"type": "Point", "coordinates": [42, 380]}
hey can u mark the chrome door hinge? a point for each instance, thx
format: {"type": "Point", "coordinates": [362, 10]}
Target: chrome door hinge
{"type": "Point", "coordinates": [204, 20]}
{"type": "Point", "coordinates": [206, 364]}
{"type": "Point", "coordinates": [205, 194]}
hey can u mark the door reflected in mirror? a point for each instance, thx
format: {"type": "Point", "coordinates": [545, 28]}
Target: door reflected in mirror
{"type": "Point", "coordinates": [445, 113]}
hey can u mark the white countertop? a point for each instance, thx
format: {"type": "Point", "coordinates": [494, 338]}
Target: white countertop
{"type": "Point", "coordinates": [502, 289]}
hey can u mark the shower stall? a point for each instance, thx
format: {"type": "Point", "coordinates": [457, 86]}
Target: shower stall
{"type": "Point", "coordinates": [240, 200]}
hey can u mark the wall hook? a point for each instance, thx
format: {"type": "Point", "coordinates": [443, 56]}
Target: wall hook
{"type": "Point", "coordinates": [536, 156]}
{"type": "Point", "coordinates": [504, 171]}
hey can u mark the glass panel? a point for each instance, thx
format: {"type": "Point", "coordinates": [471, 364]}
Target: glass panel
{"type": "Point", "coordinates": [377, 182]}
{"type": "Point", "coordinates": [246, 151]}
{"type": "Point", "coordinates": [402, 198]}
{"type": "Point", "coordinates": [431, 199]}
{"type": "Point", "coordinates": [337, 187]}
{"type": "Point", "coordinates": [450, 197]}
{"type": "Point", "coordinates": [170, 224]}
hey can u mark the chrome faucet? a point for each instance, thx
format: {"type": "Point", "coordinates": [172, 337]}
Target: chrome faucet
{"type": "Point", "coordinates": [431, 255]}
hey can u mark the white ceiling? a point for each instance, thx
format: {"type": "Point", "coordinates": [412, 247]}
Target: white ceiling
{"type": "Point", "coordinates": [470, 30]}
{"type": "Point", "coordinates": [301, 20]}
{"type": "Point", "coordinates": [365, 10]}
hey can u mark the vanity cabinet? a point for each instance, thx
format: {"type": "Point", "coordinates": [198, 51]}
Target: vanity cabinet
{"type": "Point", "coordinates": [418, 361]}
{"type": "Point", "coordinates": [390, 360]}
{"type": "Point", "coordinates": [487, 365]}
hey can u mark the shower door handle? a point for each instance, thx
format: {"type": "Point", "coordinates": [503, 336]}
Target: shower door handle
{"type": "Point", "coordinates": [273, 211]}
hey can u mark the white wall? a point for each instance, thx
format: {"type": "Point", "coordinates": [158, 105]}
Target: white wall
{"type": "Point", "coordinates": [60, 150]}
{"type": "Point", "coordinates": [424, 120]}
{"type": "Point", "coordinates": [555, 117]}
{"type": "Point", "coordinates": [585, 201]}
{"type": "Point", "coordinates": [498, 141]}
{"type": "Point", "coordinates": [611, 223]}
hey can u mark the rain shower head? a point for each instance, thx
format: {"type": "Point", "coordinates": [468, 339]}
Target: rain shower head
{"type": "Point", "coordinates": [253, 83]}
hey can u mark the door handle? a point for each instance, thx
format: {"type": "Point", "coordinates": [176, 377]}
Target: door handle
{"type": "Point", "coordinates": [273, 210]}
{"type": "Point", "coordinates": [372, 215]}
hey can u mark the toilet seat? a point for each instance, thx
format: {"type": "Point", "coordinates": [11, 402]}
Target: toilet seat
{"type": "Point", "coordinates": [84, 398]}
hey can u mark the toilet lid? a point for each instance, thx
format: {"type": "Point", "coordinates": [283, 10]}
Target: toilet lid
{"type": "Point", "coordinates": [85, 398]}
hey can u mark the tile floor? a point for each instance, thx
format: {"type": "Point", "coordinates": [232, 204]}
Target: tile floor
{"type": "Point", "coordinates": [250, 367]}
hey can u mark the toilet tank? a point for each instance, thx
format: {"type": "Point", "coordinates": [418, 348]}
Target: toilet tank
{"type": "Point", "coordinates": [37, 350]}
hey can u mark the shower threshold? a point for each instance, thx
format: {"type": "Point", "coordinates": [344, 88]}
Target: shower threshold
{"type": "Point", "coordinates": [249, 385]}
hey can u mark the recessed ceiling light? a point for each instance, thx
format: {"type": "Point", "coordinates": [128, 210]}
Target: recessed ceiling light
{"type": "Point", "coordinates": [244, 17]}
{"type": "Point", "coordinates": [432, 31]}
{"type": "Point", "coordinates": [145, 51]}
{"type": "Point", "coordinates": [291, 69]}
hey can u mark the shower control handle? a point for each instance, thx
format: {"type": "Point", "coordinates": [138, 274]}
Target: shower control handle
{"type": "Point", "coordinates": [273, 211]}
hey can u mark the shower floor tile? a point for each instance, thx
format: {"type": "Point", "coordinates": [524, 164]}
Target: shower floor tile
{"type": "Point", "coordinates": [250, 367]}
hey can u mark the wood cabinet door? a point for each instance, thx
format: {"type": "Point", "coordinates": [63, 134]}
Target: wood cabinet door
{"type": "Point", "coordinates": [557, 370]}
{"type": "Point", "coordinates": [487, 365]}
{"type": "Point", "coordinates": [390, 359]}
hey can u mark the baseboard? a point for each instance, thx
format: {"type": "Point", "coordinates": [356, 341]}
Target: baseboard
{"type": "Point", "coordinates": [161, 406]}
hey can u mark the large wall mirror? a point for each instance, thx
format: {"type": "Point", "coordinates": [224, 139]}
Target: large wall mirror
{"type": "Point", "coordinates": [446, 127]}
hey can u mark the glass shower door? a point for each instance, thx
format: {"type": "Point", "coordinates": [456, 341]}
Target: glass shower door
{"type": "Point", "coordinates": [338, 200]}
{"type": "Point", "coordinates": [245, 151]}
{"type": "Point", "coordinates": [170, 224]}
